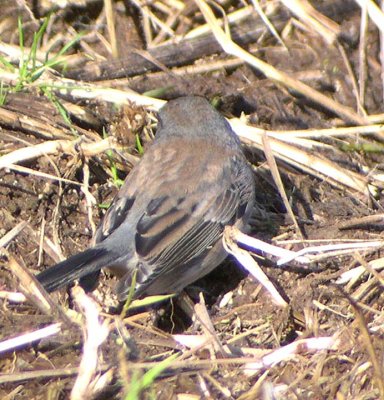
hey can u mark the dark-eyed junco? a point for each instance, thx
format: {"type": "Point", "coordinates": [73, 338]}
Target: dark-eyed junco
{"type": "Point", "coordinates": [168, 218]}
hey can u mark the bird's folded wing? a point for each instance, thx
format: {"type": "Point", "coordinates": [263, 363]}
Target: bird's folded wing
{"type": "Point", "coordinates": [174, 231]}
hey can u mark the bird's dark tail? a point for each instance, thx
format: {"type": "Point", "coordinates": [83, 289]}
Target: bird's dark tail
{"type": "Point", "coordinates": [75, 267]}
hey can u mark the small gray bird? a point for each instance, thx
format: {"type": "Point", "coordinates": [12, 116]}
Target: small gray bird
{"type": "Point", "coordinates": [167, 221]}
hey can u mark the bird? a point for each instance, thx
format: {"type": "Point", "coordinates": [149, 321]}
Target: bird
{"type": "Point", "coordinates": [166, 223]}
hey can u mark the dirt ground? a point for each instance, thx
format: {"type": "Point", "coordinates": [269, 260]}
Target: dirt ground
{"type": "Point", "coordinates": [242, 313]}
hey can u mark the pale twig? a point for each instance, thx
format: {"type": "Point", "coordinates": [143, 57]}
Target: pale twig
{"type": "Point", "coordinates": [287, 136]}
{"type": "Point", "coordinates": [29, 171]}
{"type": "Point", "coordinates": [347, 248]}
{"type": "Point", "coordinates": [370, 270]}
{"type": "Point", "coordinates": [374, 12]}
{"type": "Point", "coordinates": [288, 352]}
{"type": "Point", "coordinates": [280, 241]}
{"type": "Point", "coordinates": [236, 16]}
{"type": "Point", "coordinates": [364, 289]}
{"type": "Point", "coordinates": [363, 55]}
{"type": "Point", "coordinates": [375, 118]}
{"type": "Point", "coordinates": [268, 23]}
{"type": "Point", "coordinates": [278, 182]}
{"type": "Point", "coordinates": [14, 297]}
{"type": "Point", "coordinates": [85, 91]}
{"type": "Point", "coordinates": [196, 343]}
{"type": "Point", "coordinates": [41, 241]}
{"type": "Point", "coordinates": [246, 260]}
{"type": "Point", "coordinates": [151, 17]}
{"type": "Point", "coordinates": [9, 236]}
{"type": "Point", "coordinates": [203, 388]}
{"type": "Point", "coordinates": [205, 321]}
{"type": "Point", "coordinates": [352, 78]}
{"type": "Point", "coordinates": [258, 245]}
{"type": "Point", "coordinates": [172, 19]}
{"type": "Point", "coordinates": [309, 162]}
{"type": "Point", "coordinates": [354, 274]}
{"type": "Point", "coordinates": [146, 25]}
{"type": "Point", "coordinates": [226, 393]}
{"type": "Point", "coordinates": [303, 256]}
{"type": "Point", "coordinates": [111, 24]}
{"type": "Point", "coordinates": [34, 291]}
{"type": "Point", "coordinates": [30, 286]}
{"type": "Point", "coordinates": [54, 147]}
{"type": "Point", "coordinates": [324, 26]}
{"type": "Point", "coordinates": [95, 334]}
{"type": "Point", "coordinates": [90, 199]}
{"type": "Point", "coordinates": [28, 338]}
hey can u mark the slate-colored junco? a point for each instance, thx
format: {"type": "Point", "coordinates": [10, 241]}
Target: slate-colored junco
{"type": "Point", "coordinates": [168, 218]}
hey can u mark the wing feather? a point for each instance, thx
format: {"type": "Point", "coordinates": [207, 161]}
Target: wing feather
{"type": "Point", "coordinates": [205, 224]}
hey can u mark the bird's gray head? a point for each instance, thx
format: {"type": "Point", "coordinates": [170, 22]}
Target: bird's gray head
{"type": "Point", "coordinates": [193, 116]}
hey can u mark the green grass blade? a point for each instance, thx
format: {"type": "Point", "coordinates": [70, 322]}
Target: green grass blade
{"type": "Point", "coordinates": [130, 295]}
{"type": "Point", "coordinates": [150, 300]}
{"type": "Point", "coordinates": [37, 38]}
{"type": "Point", "coordinates": [22, 63]}
{"type": "Point", "coordinates": [139, 146]}
{"type": "Point", "coordinates": [137, 386]}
